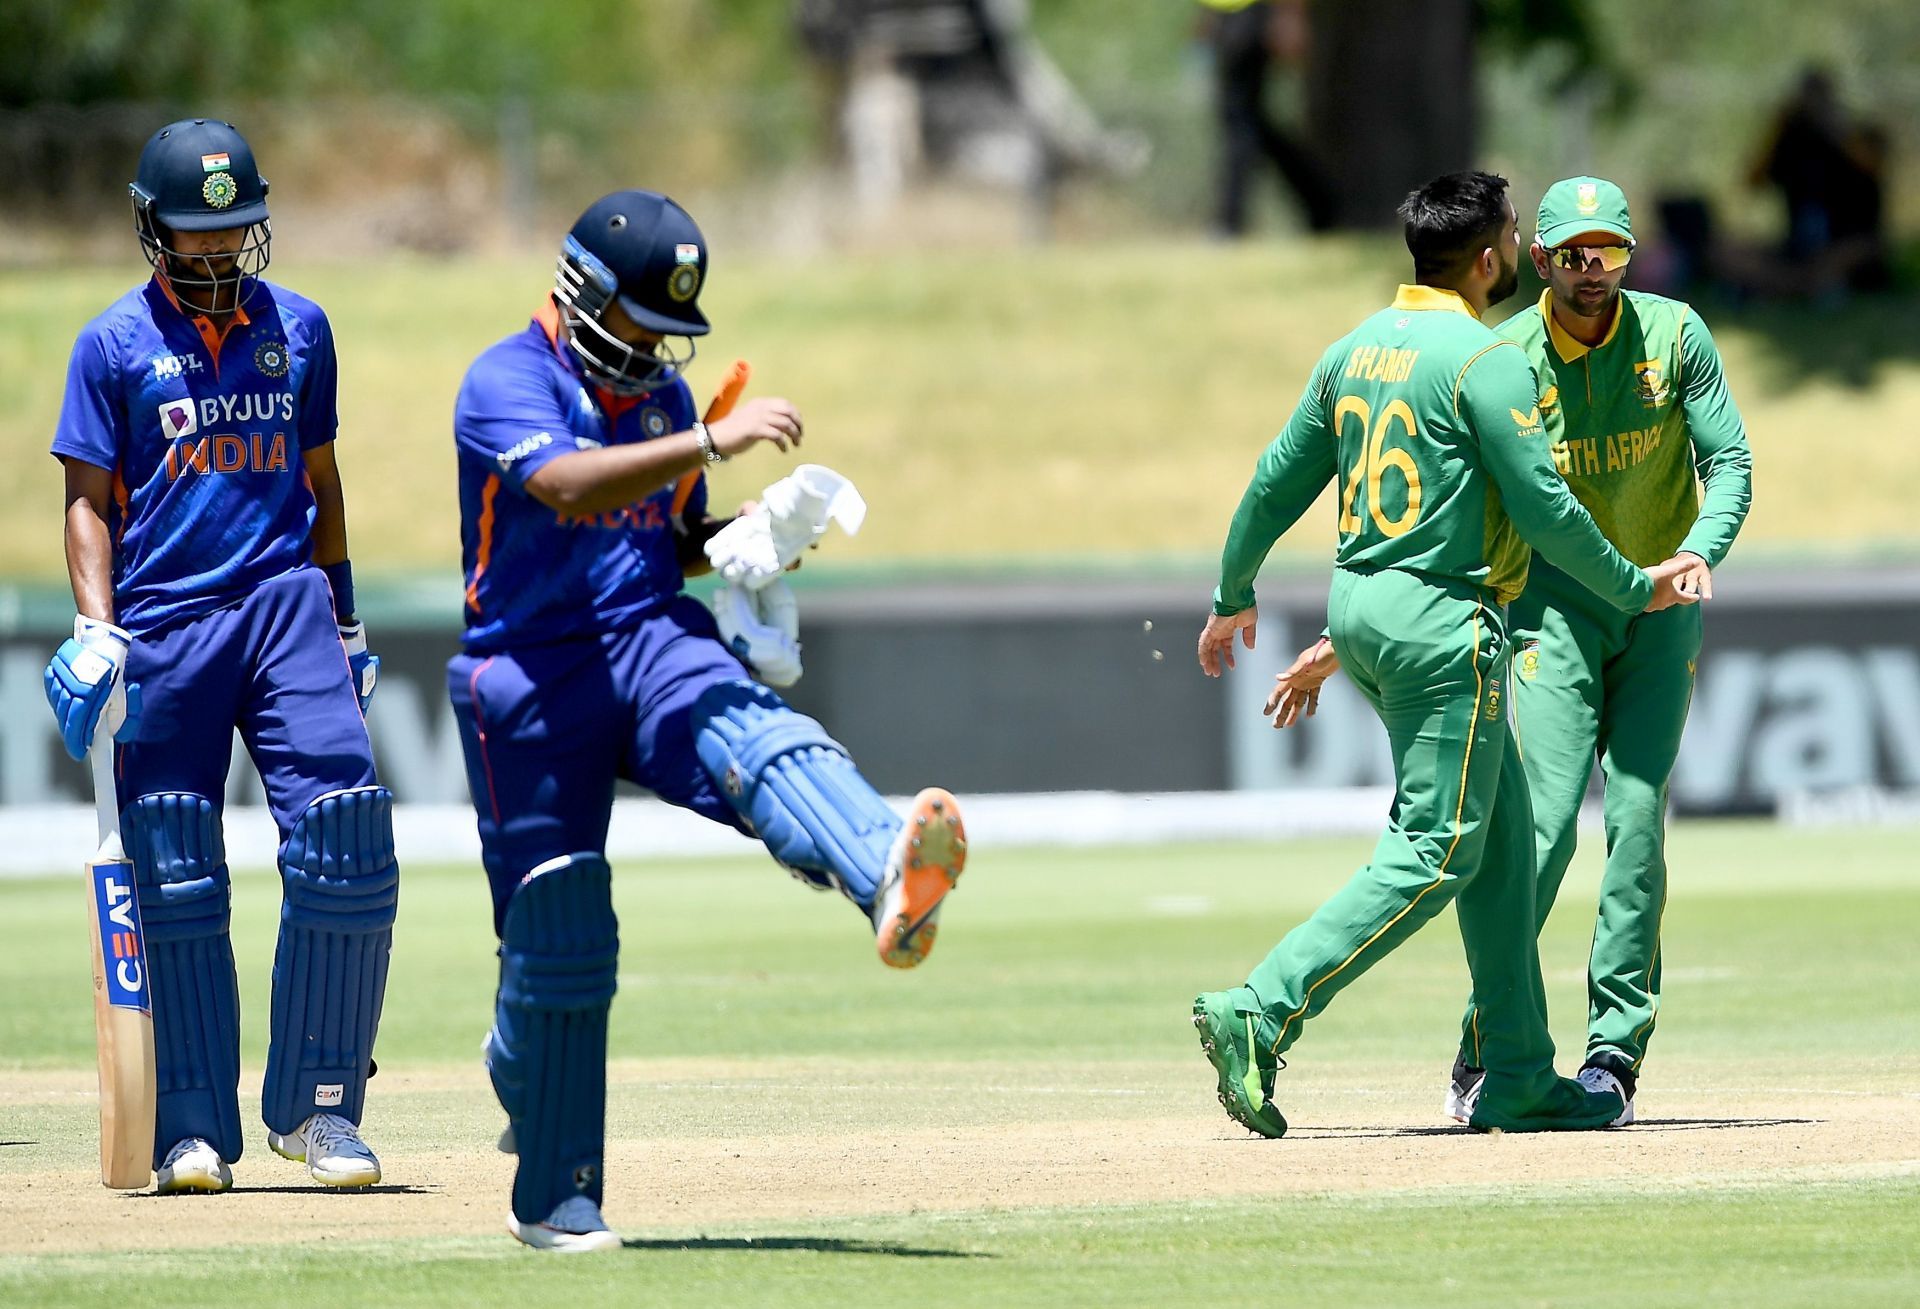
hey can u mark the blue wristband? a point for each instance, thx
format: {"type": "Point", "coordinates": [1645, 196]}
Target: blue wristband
{"type": "Point", "coordinates": [340, 578]}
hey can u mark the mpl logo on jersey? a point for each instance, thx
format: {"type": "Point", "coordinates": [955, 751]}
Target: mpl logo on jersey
{"type": "Point", "coordinates": [168, 367]}
{"type": "Point", "coordinates": [123, 954]}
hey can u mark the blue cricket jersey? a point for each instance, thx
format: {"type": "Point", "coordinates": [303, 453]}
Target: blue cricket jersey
{"type": "Point", "coordinates": [534, 575]}
{"type": "Point", "coordinates": [203, 431]}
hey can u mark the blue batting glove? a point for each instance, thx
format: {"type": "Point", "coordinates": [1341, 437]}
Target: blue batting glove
{"type": "Point", "coordinates": [86, 685]}
{"type": "Point", "coordinates": [364, 667]}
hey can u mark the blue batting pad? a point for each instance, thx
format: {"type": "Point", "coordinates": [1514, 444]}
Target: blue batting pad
{"type": "Point", "coordinates": [796, 786]}
{"type": "Point", "coordinates": [180, 865]}
{"type": "Point", "coordinates": [547, 1053]}
{"type": "Point", "coordinates": [330, 967]}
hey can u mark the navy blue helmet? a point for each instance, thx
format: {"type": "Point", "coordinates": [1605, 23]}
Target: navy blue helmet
{"type": "Point", "coordinates": [642, 252]}
{"type": "Point", "coordinates": [198, 175]}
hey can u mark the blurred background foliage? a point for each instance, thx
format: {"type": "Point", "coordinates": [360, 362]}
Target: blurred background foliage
{"type": "Point", "coordinates": [707, 95]}
{"type": "Point", "coordinates": [425, 155]}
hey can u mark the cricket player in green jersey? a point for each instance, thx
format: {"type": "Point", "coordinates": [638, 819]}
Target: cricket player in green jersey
{"type": "Point", "coordinates": [1636, 404]}
{"type": "Point", "coordinates": [1431, 424]}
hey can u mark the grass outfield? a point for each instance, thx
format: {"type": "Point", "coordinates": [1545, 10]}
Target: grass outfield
{"type": "Point", "coordinates": [1028, 1120]}
{"type": "Point", "coordinates": [1055, 402]}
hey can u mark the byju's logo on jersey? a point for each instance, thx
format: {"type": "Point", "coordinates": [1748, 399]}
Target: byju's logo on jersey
{"type": "Point", "coordinates": [178, 419]}
{"type": "Point", "coordinates": [168, 367]}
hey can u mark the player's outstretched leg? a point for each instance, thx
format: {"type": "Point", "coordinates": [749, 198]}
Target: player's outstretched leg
{"type": "Point", "coordinates": [547, 1052]}
{"type": "Point", "coordinates": [329, 978]}
{"type": "Point", "coordinates": [180, 863]}
{"type": "Point", "coordinates": [798, 789]}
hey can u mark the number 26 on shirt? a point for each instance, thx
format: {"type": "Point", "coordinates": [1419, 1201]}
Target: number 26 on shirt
{"type": "Point", "coordinates": [1375, 459]}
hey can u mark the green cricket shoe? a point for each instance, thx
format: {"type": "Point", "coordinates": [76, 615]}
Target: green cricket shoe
{"type": "Point", "coordinates": [1246, 1072]}
{"type": "Point", "coordinates": [1568, 1107]}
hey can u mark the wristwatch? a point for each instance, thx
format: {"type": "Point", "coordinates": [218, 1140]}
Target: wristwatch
{"type": "Point", "coordinates": [708, 451]}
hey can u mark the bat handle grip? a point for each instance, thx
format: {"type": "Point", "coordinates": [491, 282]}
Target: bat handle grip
{"type": "Point", "coordinates": [106, 799]}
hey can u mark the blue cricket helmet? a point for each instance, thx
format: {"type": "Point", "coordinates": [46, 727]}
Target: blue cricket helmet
{"type": "Point", "coordinates": [643, 252]}
{"type": "Point", "coordinates": [199, 175]}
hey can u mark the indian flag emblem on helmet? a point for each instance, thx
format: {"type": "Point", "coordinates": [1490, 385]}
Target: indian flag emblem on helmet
{"type": "Point", "coordinates": [219, 190]}
{"type": "Point", "coordinates": [216, 162]}
{"type": "Point", "coordinates": [684, 282]}
{"type": "Point", "coordinates": [1589, 199]}
{"type": "Point", "coordinates": [270, 358]}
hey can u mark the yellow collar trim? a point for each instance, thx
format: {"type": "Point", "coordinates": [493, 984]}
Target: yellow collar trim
{"type": "Point", "coordinates": [1564, 343]}
{"type": "Point", "coordinates": [1432, 297]}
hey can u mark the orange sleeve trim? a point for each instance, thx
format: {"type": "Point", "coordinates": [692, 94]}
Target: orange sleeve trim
{"type": "Point", "coordinates": [120, 498]}
{"type": "Point", "coordinates": [483, 554]}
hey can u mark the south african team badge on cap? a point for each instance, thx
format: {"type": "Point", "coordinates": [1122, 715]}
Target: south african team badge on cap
{"type": "Point", "coordinates": [219, 190]}
{"type": "Point", "coordinates": [270, 358]}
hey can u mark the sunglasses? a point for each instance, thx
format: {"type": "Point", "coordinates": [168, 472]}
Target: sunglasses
{"type": "Point", "coordinates": [1574, 258]}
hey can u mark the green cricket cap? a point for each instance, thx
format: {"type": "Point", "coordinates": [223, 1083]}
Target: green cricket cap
{"type": "Point", "coordinates": [1579, 205]}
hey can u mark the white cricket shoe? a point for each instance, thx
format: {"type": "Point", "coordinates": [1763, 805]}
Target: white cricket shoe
{"type": "Point", "coordinates": [1603, 1081]}
{"type": "Point", "coordinates": [193, 1165]}
{"type": "Point", "coordinates": [1463, 1090]}
{"type": "Point", "coordinates": [332, 1150]}
{"type": "Point", "coordinates": [574, 1227]}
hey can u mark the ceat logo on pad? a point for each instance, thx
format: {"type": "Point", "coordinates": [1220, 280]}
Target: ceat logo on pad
{"type": "Point", "coordinates": [177, 419]}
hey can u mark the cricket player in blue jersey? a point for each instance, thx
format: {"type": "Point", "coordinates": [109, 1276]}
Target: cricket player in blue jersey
{"type": "Point", "coordinates": [207, 547]}
{"type": "Point", "coordinates": [583, 662]}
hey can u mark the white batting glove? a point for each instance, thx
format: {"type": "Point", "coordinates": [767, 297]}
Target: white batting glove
{"type": "Point", "coordinates": [763, 628]}
{"type": "Point", "coordinates": [753, 550]}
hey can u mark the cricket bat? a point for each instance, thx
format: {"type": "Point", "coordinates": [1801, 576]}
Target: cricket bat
{"type": "Point", "coordinates": [732, 385]}
{"type": "Point", "coordinates": [122, 997]}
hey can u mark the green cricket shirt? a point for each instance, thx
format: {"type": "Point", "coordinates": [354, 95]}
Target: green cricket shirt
{"type": "Point", "coordinates": [1634, 419]}
{"type": "Point", "coordinates": [1433, 426]}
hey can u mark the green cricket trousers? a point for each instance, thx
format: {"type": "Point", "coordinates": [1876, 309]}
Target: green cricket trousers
{"type": "Point", "coordinates": [1590, 682]}
{"type": "Point", "coordinates": [1431, 655]}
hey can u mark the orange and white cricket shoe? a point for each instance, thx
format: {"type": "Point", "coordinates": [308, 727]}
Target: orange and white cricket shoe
{"type": "Point", "coordinates": [924, 864]}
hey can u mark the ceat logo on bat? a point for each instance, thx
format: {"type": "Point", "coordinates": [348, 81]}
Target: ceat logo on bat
{"type": "Point", "coordinates": [122, 956]}
{"type": "Point", "coordinates": [178, 419]}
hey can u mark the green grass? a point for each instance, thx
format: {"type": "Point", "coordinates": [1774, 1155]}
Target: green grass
{"type": "Point", "coordinates": [1814, 1245]}
{"type": "Point", "coordinates": [1789, 961]}
{"type": "Point", "coordinates": [1062, 403]}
